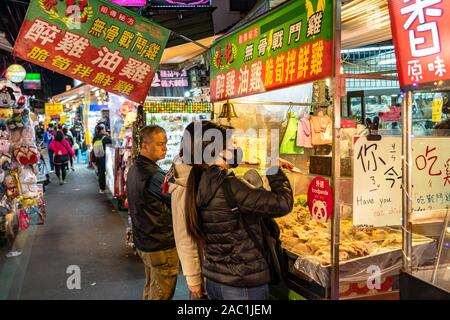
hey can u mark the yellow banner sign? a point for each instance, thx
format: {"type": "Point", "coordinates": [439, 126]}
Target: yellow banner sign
{"type": "Point", "coordinates": [53, 109]}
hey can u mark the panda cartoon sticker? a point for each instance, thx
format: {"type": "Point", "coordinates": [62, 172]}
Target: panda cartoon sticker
{"type": "Point", "coordinates": [319, 211]}
{"type": "Point", "coordinates": [320, 199]}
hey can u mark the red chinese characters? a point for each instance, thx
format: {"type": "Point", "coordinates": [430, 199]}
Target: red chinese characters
{"type": "Point", "coordinates": [420, 33]}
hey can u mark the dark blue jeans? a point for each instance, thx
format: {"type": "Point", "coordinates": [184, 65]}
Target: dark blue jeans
{"type": "Point", "coordinates": [50, 159]}
{"type": "Point", "coordinates": [218, 291]}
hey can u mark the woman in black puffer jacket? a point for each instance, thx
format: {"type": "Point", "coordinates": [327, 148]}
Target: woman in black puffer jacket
{"type": "Point", "coordinates": [233, 266]}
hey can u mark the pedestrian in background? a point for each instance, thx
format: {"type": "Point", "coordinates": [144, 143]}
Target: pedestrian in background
{"type": "Point", "coordinates": [69, 138]}
{"type": "Point", "coordinates": [101, 140]}
{"type": "Point", "coordinates": [151, 216]}
{"type": "Point", "coordinates": [62, 152]}
{"type": "Point", "coordinates": [49, 135]}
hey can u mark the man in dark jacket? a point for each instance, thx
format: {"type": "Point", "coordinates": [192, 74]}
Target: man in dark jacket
{"type": "Point", "coordinates": [151, 216]}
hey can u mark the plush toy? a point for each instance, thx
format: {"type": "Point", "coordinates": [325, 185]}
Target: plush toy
{"type": "Point", "coordinates": [4, 146]}
{"type": "Point", "coordinates": [7, 97]}
{"type": "Point", "coordinates": [19, 119]}
{"type": "Point", "coordinates": [28, 182]}
{"type": "Point", "coordinates": [5, 206]}
{"type": "Point", "coordinates": [5, 114]}
{"type": "Point", "coordinates": [5, 161]}
{"type": "Point", "coordinates": [25, 136]}
{"type": "Point", "coordinates": [12, 186]}
{"type": "Point", "coordinates": [26, 154]}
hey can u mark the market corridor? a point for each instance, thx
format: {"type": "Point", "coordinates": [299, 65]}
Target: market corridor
{"type": "Point", "coordinates": [82, 229]}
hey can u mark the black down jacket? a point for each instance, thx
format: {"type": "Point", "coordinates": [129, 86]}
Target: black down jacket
{"type": "Point", "coordinates": [231, 257]}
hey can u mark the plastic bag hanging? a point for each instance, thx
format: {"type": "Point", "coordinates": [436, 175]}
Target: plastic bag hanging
{"type": "Point", "coordinates": [289, 142]}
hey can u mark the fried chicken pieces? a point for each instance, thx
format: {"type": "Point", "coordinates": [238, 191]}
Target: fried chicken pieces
{"type": "Point", "coordinates": [309, 238]}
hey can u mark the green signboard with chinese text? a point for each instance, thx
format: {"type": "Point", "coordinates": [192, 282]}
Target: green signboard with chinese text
{"type": "Point", "coordinates": [290, 45]}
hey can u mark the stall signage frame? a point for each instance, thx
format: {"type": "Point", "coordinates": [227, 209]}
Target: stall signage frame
{"type": "Point", "coordinates": [130, 3]}
{"type": "Point", "coordinates": [377, 183]}
{"type": "Point", "coordinates": [53, 109]}
{"type": "Point", "coordinates": [98, 42]}
{"type": "Point", "coordinates": [421, 37]}
{"type": "Point", "coordinates": [180, 3]}
{"type": "Point", "coordinates": [290, 45]}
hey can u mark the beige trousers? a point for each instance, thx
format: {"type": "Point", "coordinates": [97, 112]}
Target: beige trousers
{"type": "Point", "coordinates": [161, 270]}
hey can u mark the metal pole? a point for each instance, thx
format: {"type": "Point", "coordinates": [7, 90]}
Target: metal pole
{"type": "Point", "coordinates": [335, 219]}
{"type": "Point", "coordinates": [406, 180]}
{"type": "Point", "coordinates": [441, 245]}
{"type": "Point", "coordinates": [190, 40]}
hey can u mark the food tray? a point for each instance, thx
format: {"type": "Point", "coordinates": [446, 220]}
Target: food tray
{"type": "Point", "coordinates": [356, 270]}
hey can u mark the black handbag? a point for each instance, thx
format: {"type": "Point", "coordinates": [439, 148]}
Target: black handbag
{"type": "Point", "coordinates": [61, 158]}
{"type": "Point", "coordinates": [271, 249]}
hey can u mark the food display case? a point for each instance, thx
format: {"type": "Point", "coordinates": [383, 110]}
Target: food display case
{"type": "Point", "coordinates": [174, 116]}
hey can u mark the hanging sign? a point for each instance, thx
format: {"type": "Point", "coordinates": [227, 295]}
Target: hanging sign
{"type": "Point", "coordinates": [290, 45]}
{"type": "Point", "coordinates": [436, 113]}
{"type": "Point", "coordinates": [320, 199]}
{"type": "Point", "coordinates": [96, 42]}
{"type": "Point", "coordinates": [420, 30]}
{"type": "Point", "coordinates": [15, 73]}
{"type": "Point", "coordinates": [377, 179]}
{"type": "Point", "coordinates": [53, 109]}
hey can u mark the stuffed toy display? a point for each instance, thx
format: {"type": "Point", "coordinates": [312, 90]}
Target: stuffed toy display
{"type": "Point", "coordinates": [20, 197]}
{"type": "Point", "coordinates": [12, 186]}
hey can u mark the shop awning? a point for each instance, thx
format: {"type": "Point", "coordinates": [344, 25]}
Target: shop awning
{"type": "Point", "coordinates": [184, 52]}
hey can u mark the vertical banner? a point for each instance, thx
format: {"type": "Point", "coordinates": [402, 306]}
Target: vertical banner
{"type": "Point", "coordinates": [96, 42]}
{"type": "Point", "coordinates": [420, 30]}
{"type": "Point", "coordinates": [289, 45]}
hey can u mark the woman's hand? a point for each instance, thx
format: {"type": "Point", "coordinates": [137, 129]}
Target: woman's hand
{"type": "Point", "coordinates": [285, 164]}
{"type": "Point", "coordinates": [197, 291]}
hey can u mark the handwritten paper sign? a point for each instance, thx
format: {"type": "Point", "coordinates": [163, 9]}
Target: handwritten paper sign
{"type": "Point", "coordinates": [431, 173]}
{"type": "Point", "coordinates": [377, 172]}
